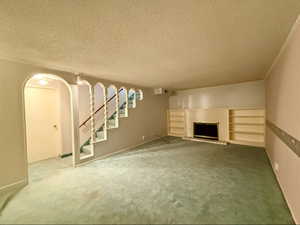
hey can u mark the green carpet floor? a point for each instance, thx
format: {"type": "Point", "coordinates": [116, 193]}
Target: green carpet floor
{"type": "Point", "coordinates": [165, 181]}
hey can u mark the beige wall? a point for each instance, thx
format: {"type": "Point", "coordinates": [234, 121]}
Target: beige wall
{"type": "Point", "coordinates": [248, 94]}
{"type": "Point", "coordinates": [148, 119]}
{"type": "Point", "coordinates": [283, 109]}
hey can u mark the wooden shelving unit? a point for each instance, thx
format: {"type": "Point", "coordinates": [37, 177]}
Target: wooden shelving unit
{"type": "Point", "coordinates": [176, 122]}
{"type": "Point", "coordinates": [247, 126]}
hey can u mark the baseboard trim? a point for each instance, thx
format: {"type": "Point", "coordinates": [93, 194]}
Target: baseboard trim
{"type": "Point", "coordinates": [118, 152]}
{"type": "Point", "coordinates": [282, 190]}
{"type": "Point", "coordinates": [14, 186]}
{"type": "Point", "coordinates": [66, 155]}
{"type": "Point", "coordinates": [205, 141]}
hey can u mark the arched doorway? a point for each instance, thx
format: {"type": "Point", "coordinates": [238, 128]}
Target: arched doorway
{"type": "Point", "coordinates": [49, 125]}
{"type": "Point", "coordinates": [131, 98]}
{"type": "Point", "coordinates": [100, 112]}
{"type": "Point", "coordinates": [123, 102]}
{"type": "Point", "coordinates": [139, 95]}
{"type": "Point", "coordinates": [86, 119]}
{"type": "Point", "coordinates": [112, 107]}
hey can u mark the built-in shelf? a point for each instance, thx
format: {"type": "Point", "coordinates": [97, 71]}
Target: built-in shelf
{"type": "Point", "coordinates": [247, 126]}
{"type": "Point", "coordinates": [177, 127]}
{"type": "Point", "coordinates": [176, 133]}
{"type": "Point", "coordinates": [247, 116]}
{"type": "Point", "coordinates": [247, 132]}
{"type": "Point", "coordinates": [176, 122]}
{"type": "Point", "coordinates": [251, 124]}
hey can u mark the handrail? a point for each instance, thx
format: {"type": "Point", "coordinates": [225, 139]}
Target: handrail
{"type": "Point", "coordinates": [101, 107]}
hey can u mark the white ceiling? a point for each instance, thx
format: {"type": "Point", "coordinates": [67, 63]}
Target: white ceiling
{"type": "Point", "coordinates": [155, 43]}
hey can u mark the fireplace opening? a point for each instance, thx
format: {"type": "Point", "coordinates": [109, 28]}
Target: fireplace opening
{"type": "Point", "coordinates": [206, 130]}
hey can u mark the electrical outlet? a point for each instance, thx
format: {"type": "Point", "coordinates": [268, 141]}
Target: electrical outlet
{"type": "Point", "coordinates": [276, 166]}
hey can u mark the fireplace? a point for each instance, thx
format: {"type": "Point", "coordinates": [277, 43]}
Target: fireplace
{"type": "Point", "coordinates": [206, 130]}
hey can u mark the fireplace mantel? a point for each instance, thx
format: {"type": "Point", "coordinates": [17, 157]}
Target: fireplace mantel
{"type": "Point", "coordinates": [215, 115]}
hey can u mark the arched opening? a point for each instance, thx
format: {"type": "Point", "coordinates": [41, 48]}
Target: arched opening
{"type": "Point", "coordinates": [131, 98]}
{"type": "Point", "coordinates": [100, 112]}
{"type": "Point", "coordinates": [86, 119]}
{"type": "Point", "coordinates": [112, 107]}
{"type": "Point", "coordinates": [123, 102]}
{"type": "Point", "coordinates": [139, 95]}
{"type": "Point", "coordinates": [49, 125]}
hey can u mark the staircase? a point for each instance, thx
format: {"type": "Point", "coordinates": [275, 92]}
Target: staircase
{"type": "Point", "coordinates": [107, 110]}
{"type": "Point", "coordinates": [132, 101]}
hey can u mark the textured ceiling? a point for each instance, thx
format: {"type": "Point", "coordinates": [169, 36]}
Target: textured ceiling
{"type": "Point", "coordinates": [155, 43]}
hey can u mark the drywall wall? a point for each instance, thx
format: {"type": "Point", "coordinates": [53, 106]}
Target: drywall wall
{"type": "Point", "coordinates": [145, 122]}
{"type": "Point", "coordinates": [248, 95]}
{"type": "Point", "coordinates": [149, 120]}
{"type": "Point", "coordinates": [283, 110]}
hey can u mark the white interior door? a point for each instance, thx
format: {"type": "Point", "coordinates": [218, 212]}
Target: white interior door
{"type": "Point", "coordinates": [42, 119]}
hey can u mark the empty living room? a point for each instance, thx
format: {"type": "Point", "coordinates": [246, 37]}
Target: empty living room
{"type": "Point", "coordinates": [150, 111]}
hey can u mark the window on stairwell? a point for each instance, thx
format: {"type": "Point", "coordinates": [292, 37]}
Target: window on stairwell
{"type": "Point", "coordinates": [100, 113]}
{"type": "Point", "coordinates": [112, 107]}
{"type": "Point", "coordinates": [123, 102]}
{"type": "Point", "coordinates": [139, 95]}
{"type": "Point", "coordinates": [85, 114]}
{"type": "Point", "coordinates": [131, 98]}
